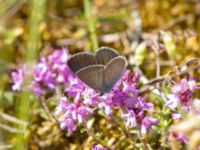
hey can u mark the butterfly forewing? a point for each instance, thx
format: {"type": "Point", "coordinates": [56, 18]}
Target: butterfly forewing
{"type": "Point", "coordinates": [105, 54]}
{"type": "Point", "coordinates": [114, 71]}
{"type": "Point", "coordinates": [92, 76]}
{"type": "Point", "coordinates": [81, 60]}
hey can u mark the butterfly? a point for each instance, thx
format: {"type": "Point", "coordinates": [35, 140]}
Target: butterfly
{"type": "Point", "coordinates": [101, 70]}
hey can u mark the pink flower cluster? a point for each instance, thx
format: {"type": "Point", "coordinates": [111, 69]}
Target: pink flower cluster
{"type": "Point", "coordinates": [182, 93]}
{"type": "Point", "coordinates": [78, 100]}
{"type": "Point", "coordinates": [124, 96]}
{"type": "Point", "coordinates": [50, 72]}
{"type": "Point", "coordinates": [75, 112]}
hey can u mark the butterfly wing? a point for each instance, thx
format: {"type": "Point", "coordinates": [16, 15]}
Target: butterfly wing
{"type": "Point", "coordinates": [81, 60]}
{"type": "Point", "coordinates": [113, 72]}
{"type": "Point", "coordinates": [105, 54]}
{"type": "Point", "coordinates": [92, 76]}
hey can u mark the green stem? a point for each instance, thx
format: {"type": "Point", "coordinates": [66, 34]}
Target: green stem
{"type": "Point", "coordinates": [23, 106]}
{"type": "Point", "coordinates": [91, 24]}
{"type": "Point", "coordinates": [36, 18]}
{"type": "Point", "coordinates": [23, 113]}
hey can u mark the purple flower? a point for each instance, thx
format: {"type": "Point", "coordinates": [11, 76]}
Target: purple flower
{"type": "Point", "coordinates": [68, 124]}
{"type": "Point", "coordinates": [76, 87]}
{"type": "Point", "coordinates": [37, 89]}
{"type": "Point", "coordinates": [172, 102]}
{"type": "Point", "coordinates": [105, 103]}
{"type": "Point", "coordinates": [147, 122]}
{"type": "Point", "coordinates": [51, 71]}
{"type": "Point", "coordinates": [90, 97]}
{"type": "Point", "coordinates": [180, 137]}
{"type": "Point", "coordinates": [17, 77]}
{"type": "Point", "coordinates": [130, 118]}
{"type": "Point", "coordinates": [40, 71]}
{"type": "Point", "coordinates": [59, 57]}
{"type": "Point", "coordinates": [130, 82]}
{"type": "Point", "coordinates": [58, 61]}
{"type": "Point", "coordinates": [176, 116]}
{"type": "Point", "coordinates": [120, 98]}
{"type": "Point", "coordinates": [43, 78]}
{"type": "Point", "coordinates": [95, 147]}
{"type": "Point", "coordinates": [181, 93]}
{"type": "Point", "coordinates": [126, 97]}
{"type": "Point", "coordinates": [62, 105]}
{"type": "Point", "coordinates": [74, 113]}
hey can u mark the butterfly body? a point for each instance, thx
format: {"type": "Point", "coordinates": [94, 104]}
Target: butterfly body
{"type": "Point", "coordinates": [99, 71]}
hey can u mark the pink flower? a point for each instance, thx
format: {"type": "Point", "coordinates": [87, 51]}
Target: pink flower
{"type": "Point", "coordinates": [50, 72]}
{"type": "Point", "coordinates": [69, 124]}
{"type": "Point", "coordinates": [147, 122]}
{"type": "Point", "coordinates": [74, 114]}
{"type": "Point", "coordinates": [17, 77]}
{"type": "Point", "coordinates": [95, 147]}
{"type": "Point", "coordinates": [40, 70]}
{"type": "Point", "coordinates": [173, 101]}
{"type": "Point", "coordinates": [176, 116]}
{"type": "Point", "coordinates": [106, 103]}
{"type": "Point", "coordinates": [130, 118]}
{"type": "Point", "coordinates": [182, 93]}
{"type": "Point", "coordinates": [180, 137]}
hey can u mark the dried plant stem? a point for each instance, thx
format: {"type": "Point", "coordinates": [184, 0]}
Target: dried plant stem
{"type": "Point", "coordinates": [91, 133]}
{"type": "Point", "coordinates": [47, 111]}
{"type": "Point", "coordinates": [12, 119]}
{"type": "Point", "coordinates": [158, 67]}
{"type": "Point", "coordinates": [10, 129]}
{"type": "Point", "coordinates": [156, 48]}
{"type": "Point", "coordinates": [148, 85]}
{"type": "Point", "coordinates": [162, 78]}
{"type": "Point", "coordinates": [4, 147]}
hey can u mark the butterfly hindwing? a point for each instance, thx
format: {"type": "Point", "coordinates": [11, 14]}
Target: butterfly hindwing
{"type": "Point", "coordinates": [92, 76]}
{"type": "Point", "coordinates": [113, 72]}
{"type": "Point", "coordinates": [81, 60]}
{"type": "Point", "coordinates": [105, 54]}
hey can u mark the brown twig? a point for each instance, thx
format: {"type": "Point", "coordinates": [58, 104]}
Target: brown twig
{"type": "Point", "coordinates": [186, 67]}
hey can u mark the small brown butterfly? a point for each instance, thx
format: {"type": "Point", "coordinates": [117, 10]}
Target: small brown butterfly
{"type": "Point", "coordinates": [101, 70]}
